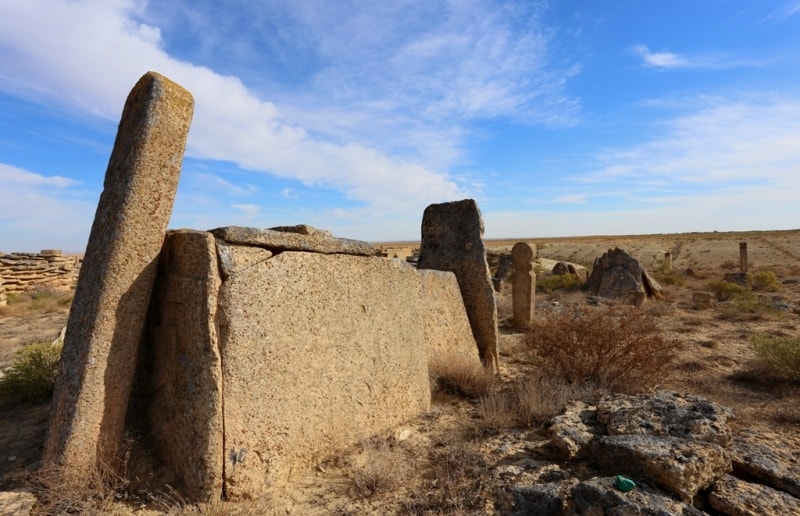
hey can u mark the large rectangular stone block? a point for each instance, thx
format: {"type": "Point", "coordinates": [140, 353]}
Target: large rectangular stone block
{"type": "Point", "coordinates": [318, 352]}
{"type": "Point", "coordinates": [108, 313]}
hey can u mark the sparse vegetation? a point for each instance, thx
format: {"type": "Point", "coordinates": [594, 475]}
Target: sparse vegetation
{"type": "Point", "coordinates": [765, 281]}
{"type": "Point", "coordinates": [618, 347]}
{"type": "Point", "coordinates": [563, 282]}
{"type": "Point", "coordinates": [40, 299]}
{"type": "Point", "coordinates": [459, 375]}
{"type": "Point", "coordinates": [725, 290]}
{"type": "Point", "coordinates": [32, 375]}
{"type": "Point", "coordinates": [779, 356]}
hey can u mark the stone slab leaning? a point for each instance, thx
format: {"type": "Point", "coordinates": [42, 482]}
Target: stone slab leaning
{"type": "Point", "coordinates": [116, 281]}
{"type": "Point", "coordinates": [452, 240]}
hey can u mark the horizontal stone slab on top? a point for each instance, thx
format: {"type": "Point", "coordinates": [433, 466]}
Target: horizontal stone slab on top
{"type": "Point", "coordinates": [283, 240]}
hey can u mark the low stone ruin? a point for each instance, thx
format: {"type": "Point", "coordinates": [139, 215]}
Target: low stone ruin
{"type": "Point", "coordinates": [21, 272]}
{"type": "Point", "coordinates": [618, 275]}
{"type": "Point", "coordinates": [680, 452]}
{"type": "Point", "coordinates": [243, 354]}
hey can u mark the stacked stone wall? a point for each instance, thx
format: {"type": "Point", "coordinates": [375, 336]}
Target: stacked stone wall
{"type": "Point", "coordinates": [21, 272]}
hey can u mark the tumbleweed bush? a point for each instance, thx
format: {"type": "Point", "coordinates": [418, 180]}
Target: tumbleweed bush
{"type": "Point", "coordinates": [779, 355]}
{"type": "Point", "coordinates": [619, 348]}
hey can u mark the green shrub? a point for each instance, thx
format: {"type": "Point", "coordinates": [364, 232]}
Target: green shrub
{"type": "Point", "coordinates": [619, 348]}
{"type": "Point", "coordinates": [779, 355]}
{"type": "Point", "coordinates": [553, 282]}
{"type": "Point", "coordinates": [670, 278]}
{"type": "Point", "coordinates": [725, 290]}
{"type": "Point", "coordinates": [32, 375]}
{"type": "Point", "coordinates": [765, 281]}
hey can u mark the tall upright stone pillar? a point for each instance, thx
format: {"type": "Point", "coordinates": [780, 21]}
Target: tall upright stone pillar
{"type": "Point", "coordinates": [667, 261]}
{"type": "Point", "coordinates": [452, 240]}
{"type": "Point", "coordinates": [108, 313]}
{"type": "Point", "coordinates": [523, 284]}
{"type": "Point", "coordinates": [743, 257]}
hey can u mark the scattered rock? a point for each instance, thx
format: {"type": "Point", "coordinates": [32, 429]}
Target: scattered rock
{"type": "Point", "coordinates": [703, 300]}
{"type": "Point", "coordinates": [541, 499]}
{"type": "Point", "coordinates": [18, 503]}
{"type": "Point", "coordinates": [739, 498]}
{"type": "Point", "coordinates": [573, 431]}
{"type": "Point", "coordinates": [678, 465]}
{"type": "Point", "coordinates": [616, 274]}
{"type": "Point", "coordinates": [598, 497]}
{"type": "Point", "coordinates": [769, 460]}
{"type": "Point", "coordinates": [666, 414]}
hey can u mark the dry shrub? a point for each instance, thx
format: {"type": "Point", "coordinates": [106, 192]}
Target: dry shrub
{"type": "Point", "coordinates": [32, 375]}
{"type": "Point", "coordinates": [458, 374]}
{"type": "Point", "coordinates": [380, 468]}
{"type": "Point", "coordinates": [726, 291]}
{"type": "Point", "coordinates": [456, 482]}
{"type": "Point", "coordinates": [619, 348]}
{"type": "Point", "coordinates": [779, 356]}
{"type": "Point", "coordinates": [765, 281]}
{"type": "Point", "coordinates": [40, 298]}
{"type": "Point", "coordinates": [562, 282]}
{"type": "Point", "coordinates": [531, 402]}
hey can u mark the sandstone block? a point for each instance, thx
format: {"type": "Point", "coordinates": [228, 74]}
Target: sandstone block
{"type": "Point", "coordinates": [296, 240]}
{"type": "Point", "coordinates": [598, 496]}
{"type": "Point", "coordinates": [616, 274]}
{"type": "Point", "coordinates": [739, 498]}
{"type": "Point", "coordinates": [679, 466]}
{"type": "Point", "coordinates": [452, 240]}
{"type": "Point", "coordinates": [318, 352]}
{"type": "Point", "coordinates": [185, 409]}
{"type": "Point", "coordinates": [113, 293]}
{"type": "Point", "coordinates": [769, 458]}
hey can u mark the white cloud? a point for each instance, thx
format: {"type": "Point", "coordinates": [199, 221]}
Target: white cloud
{"type": "Point", "coordinates": [722, 141]}
{"type": "Point", "coordinates": [11, 176]}
{"type": "Point", "coordinates": [39, 208]}
{"type": "Point", "coordinates": [670, 60]}
{"type": "Point", "coordinates": [251, 211]}
{"type": "Point", "coordinates": [397, 86]}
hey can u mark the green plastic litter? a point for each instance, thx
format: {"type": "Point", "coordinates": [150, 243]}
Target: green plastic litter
{"type": "Point", "coordinates": [624, 484]}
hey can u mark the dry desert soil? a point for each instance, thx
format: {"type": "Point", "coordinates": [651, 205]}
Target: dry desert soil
{"type": "Point", "coordinates": [454, 460]}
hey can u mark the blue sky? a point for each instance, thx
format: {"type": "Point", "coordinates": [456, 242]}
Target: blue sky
{"type": "Point", "coordinates": [560, 118]}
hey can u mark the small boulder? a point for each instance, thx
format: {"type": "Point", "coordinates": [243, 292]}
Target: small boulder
{"type": "Point", "coordinates": [598, 496]}
{"type": "Point", "coordinates": [736, 497]}
{"type": "Point", "coordinates": [767, 459]}
{"type": "Point", "coordinates": [616, 274]}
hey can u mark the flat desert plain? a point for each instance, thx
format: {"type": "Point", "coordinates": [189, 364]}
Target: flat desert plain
{"type": "Point", "coordinates": [715, 360]}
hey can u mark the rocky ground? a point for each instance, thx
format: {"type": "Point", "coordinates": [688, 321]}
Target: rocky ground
{"type": "Point", "coordinates": [460, 459]}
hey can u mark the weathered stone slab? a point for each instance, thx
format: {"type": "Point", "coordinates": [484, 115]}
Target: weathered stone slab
{"type": "Point", "coordinates": [446, 327]}
{"type": "Point", "coordinates": [318, 352]}
{"type": "Point", "coordinates": [617, 274]}
{"type": "Point", "coordinates": [573, 431]}
{"type": "Point", "coordinates": [452, 240]}
{"type": "Point", "coordinates": [185, 409]}
{"type": "Point", "coordinates": [739, 498]}
{"type": "Point", "coordinates": [597, 496]}
{"type": "Point", "coordinates": [236, 258]}
{"type": "Point", "coordinates": [279, 241]}
{"type": "Point", "coordinates": [768, 458]}
{"type": "Point", "coordinates": [113, 292]}
{"type": "Point", "coordinates": [666, 414]}
{"type": "Point", "coordinates": [679, 466]}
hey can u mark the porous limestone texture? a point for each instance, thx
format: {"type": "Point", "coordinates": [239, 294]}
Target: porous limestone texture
{"type": "Point", "coordinates": [321, 359]}
{"type": "Point", "coordinates": [736, 497]}
{"type": "Point", "coordinates": [768, 457]}
{"type": "Point", "coordinates": [294, 238]}
{"type": "Point", "coordinates": [184, 410]}
{"type": "Point", "coordinates": [598, 496]}
{"type": "Point", "coordinates": [445, 324]}
{"type": "Point", "coordinates": [315, 353]}
{"type": "Point", "coordinates": [111, 299]}
{"type": "Point", "coordinates": [452, 240]}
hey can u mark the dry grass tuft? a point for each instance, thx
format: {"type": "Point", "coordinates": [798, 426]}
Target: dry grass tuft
{"type": "Point", "coordinates": [459, 375]}
{"type": "Point", "coordinates": [38, 299]}
{"type": "Point", "coordinates": [618, 348]}
{"type": "Point", "coordinates": [379, 469]}
{"type": "Point", "coordinates": [778, 357]}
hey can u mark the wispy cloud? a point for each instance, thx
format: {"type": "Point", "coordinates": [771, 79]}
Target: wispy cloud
{"type": "Point", "coordinates": [14, 176]}
{"type": "Point", "coordinates": [386, 73]}
{"type": "Point", "coordinates": [788, 10]}
{"type": "Point", "coordinates": [671, 60]}
{"type": "Point", "coordinates": [721, 142]}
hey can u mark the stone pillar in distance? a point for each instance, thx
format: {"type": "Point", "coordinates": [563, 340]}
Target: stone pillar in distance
{"type": "Point", "coordinates": [523, 284]}
{"type": "Point", "coordinates": [108, 312]}
{"type": "Point", "coordinates": [743, 257]}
